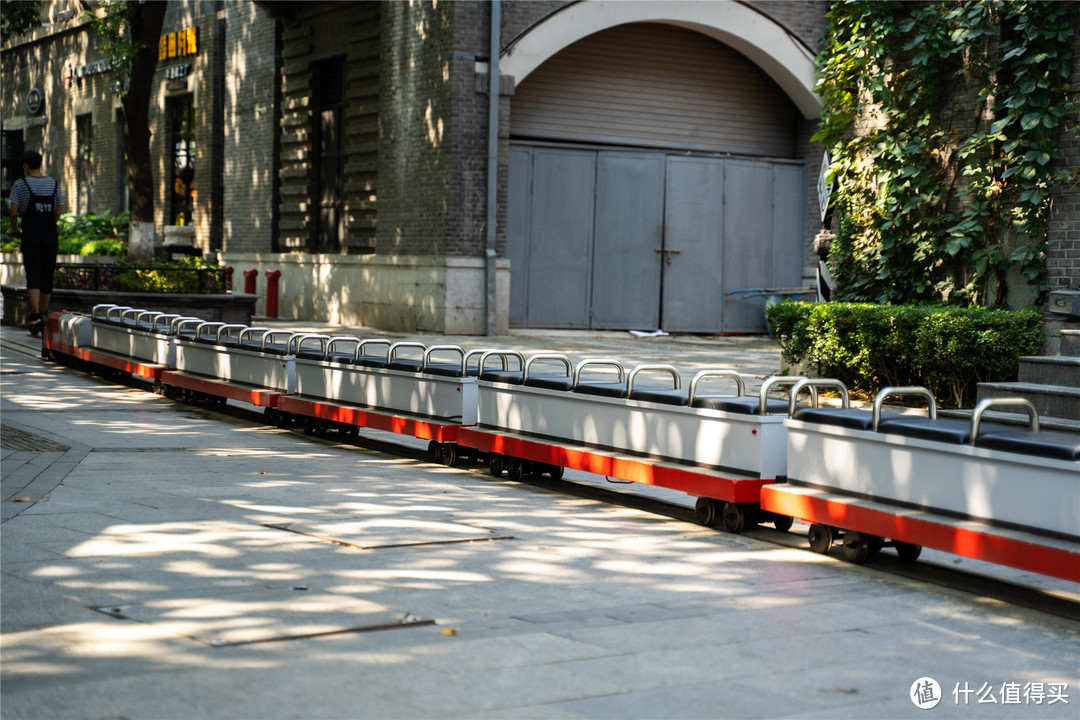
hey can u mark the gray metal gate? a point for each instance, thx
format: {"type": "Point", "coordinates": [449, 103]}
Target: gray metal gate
{"type": "Point", "coordinates": [640, 240]}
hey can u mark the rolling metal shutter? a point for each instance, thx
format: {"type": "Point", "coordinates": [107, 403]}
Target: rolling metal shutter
{"type": "Point", "coordinates": [657, 86]}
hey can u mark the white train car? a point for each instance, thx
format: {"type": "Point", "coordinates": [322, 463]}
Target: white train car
{"type": "Point", "coordinates": [993, 492]}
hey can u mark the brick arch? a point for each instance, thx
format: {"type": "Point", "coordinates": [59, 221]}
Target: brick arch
{"type": "Point", "coordinates": [765, 42]}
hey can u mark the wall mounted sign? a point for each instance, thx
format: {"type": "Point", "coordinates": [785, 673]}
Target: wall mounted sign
{"type": "Point", "coordinates": [35, 100]}
{"type": "Point", "coordinates": [179, 44]}
{"type": "Point", "coordinates": [177, 72]}
{"type": "Point", "coordinates": [73, 74]}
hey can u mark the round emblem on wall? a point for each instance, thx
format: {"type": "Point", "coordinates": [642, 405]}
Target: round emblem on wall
{"type": "Point", "coordinates": [35, 99]}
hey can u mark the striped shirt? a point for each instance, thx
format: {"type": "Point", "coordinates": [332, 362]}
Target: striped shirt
{"type": "Point", "coordinates": [20, 191]}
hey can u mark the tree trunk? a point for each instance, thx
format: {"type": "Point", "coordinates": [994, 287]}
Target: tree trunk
{"type": "Point", "coordinates": [146, 22]}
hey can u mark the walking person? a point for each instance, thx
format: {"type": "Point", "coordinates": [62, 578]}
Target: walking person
{"type": "Point", "coordinates": [38, 201]}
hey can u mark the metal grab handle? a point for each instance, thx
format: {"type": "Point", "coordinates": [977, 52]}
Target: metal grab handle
{"type": "Point", "coordinates": [177, 323]}
{"type": "Point", "coordinates": [392, 353]}
{"type": "Point", "coordinates": [271, 334]}
{"type": "Point", "coordinates": [603, 362]}
{"type": "Point", "coordinates": [253, 330]}
{"type": "Point", "coordinates": [213, 326]}
{"type": "Point", "coordinates": [118, 311]}
{"type": "Point", "coordinates": [142, 314]}
{"type": "Point", "coordinates": [132, 315]}
{"type": "Point", "coordinates": [986, 404]}
{"type": "Point", "coordinates": [694, 381]}
{"type": "Point", "coordinates": [300, 338]}
{"type": "Point", "coordinates": [908, 391]}
{"type": "Point", "coordinates": [542, 357]}
{"type": "Point", "coordinates": [340, 339]}
{"type": "Point", "coordinates": [817, 383]}
{"type": "Point", "coordinates": [670, 369]}
{"type": "Point", "coordinates": [225, 329]}
{"type": "Point", "coordinates": [183, 322]}
{"type": "Point", "coordinates": [443, 348]}
{"type": "Point", "coordinates": [372, 341]}
{"type": "Point", "coordinates": [502, 355]}
{"type": "Point", "coordinates": [101, 311]}
{"type": "Point", "coordinates": [165, 319]}
{"type": "Point", "coordinates": [763, 393]}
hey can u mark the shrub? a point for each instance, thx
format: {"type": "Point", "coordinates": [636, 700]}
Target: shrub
{"type": "Point", "coordinates": [944, 348]}
{"type": "Point", "coordinates": [81, 235]}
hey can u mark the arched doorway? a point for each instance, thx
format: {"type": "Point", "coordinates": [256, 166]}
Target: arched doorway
{"type": "Point", "coordinates": [653, 170]}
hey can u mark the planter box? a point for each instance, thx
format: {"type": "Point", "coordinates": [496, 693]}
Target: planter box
{"type": "Point", "coordinates": [221, 307]}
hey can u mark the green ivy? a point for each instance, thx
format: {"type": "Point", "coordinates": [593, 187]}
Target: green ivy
{"type": "Point", "coordinates": [940, 118]}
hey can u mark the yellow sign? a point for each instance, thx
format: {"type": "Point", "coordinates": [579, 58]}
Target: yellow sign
{"type": "Point", "coordinates": [179, 43]}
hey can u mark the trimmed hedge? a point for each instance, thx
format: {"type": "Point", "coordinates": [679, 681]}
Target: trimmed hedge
{"type": "Point", "coordinates": [947, 349]}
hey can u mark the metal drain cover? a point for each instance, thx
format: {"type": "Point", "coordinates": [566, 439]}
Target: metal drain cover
{"type": "Point", "coordinates": [382, 532]}
{"type": "Point", "coordinates": [265, 615]}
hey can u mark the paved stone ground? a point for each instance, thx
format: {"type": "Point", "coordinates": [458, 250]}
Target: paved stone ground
{"type": "Point", "coordinates": [175, 562]}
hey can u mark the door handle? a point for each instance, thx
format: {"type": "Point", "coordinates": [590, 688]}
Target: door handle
{"type": "Point", "coordinates": [668, 254]}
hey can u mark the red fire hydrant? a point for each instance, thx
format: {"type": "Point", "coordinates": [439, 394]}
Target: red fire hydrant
{"type": "Point", "coordinates": [272, 277]}
{"type": "Point", "coordinates": [249, 280]}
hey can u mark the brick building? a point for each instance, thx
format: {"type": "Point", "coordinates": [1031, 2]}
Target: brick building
{"type": "Point", "coordinates": [652, 158]}
{"type": "Point", "coordinates": [210, 118]}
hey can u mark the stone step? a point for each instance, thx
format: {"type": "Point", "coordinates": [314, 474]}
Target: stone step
{"type": "Point", "coordinates": [1070, 342]}
{"type": "Point", "coordinates": [1050, 370]}
{"type": "Point", "coordinates": [1053, 401]}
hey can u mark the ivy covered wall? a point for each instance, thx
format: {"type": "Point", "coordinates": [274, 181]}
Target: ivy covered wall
{"type": "Point", "coordinates": [946, 123]}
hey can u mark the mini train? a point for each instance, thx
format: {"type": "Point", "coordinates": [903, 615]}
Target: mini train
{"type": "Point", "coordinates": [864, 479]}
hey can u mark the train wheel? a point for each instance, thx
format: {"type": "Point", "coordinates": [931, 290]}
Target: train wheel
{"type": "Point", "coordinates": [514, 469]}
{"type": "Point", "coordinates": [907, 551]}
{"type": "Point", "coordinates": [449, 454]}
{"type": "Point", "coordinates": [734, 518]}
{"type": "Point", "coordinates": [876, 543]}
{"type": "Point", "coordinates": [434, 451]}
{"type": "Point", "coordinates": [495, 465]}
{"type": "Point", "coordinates": [782, 523]}
{"type": "Point", "coordinates": [820, 538]}
{"type": "Point", "coordinates": [705, 511]}
{"type": "Point", "coordinates": [555, 471]}
{"type": "Point", "coordinates": [856, 547]}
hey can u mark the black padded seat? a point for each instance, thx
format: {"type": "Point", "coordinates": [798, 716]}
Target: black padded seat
{"type": "Point", "coordinates": [842, 417]}
{"type": "Point", "coordinates": [278, 348]}
{"type": "Point", "coordinates": [405, 364]}
{"type": "Point", "coordinates": [229, 342]}
{"type": "Point", "coordinates": [206, 339]}
{"type": "Point", "coordinates": [955, 432]}
{"type": "Point", "coordinates": [511, 377]}
{"type": "Point", "coordinates": [371, 361]}
{"type": "Point", "coordinates": [145, 325]}
{"type": "Point", "coordinates": [603, 389]}
{"type": "Point", "coordinates": [1045, 443]}
{"type": "Point", "coordinates": [744, 404]}
{"type": "Point", "coordinates": [309, 354]}
{"type": "Point", "coordinates": [187, 334]}
{"type": "Point", "coordinates": [443, 369]}
{"type": "Point", "coordinates": [664, 396]}
{"type": "Point", "coordinates": [550, 382]}
{"type": "Point", "coordinates": [341, 357]}
{"type": "Point", "coordinates": [250, 344]}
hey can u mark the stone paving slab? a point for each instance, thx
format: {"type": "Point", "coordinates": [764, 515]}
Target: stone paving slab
{"type": "Point", "coordinates": [593, 610]}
